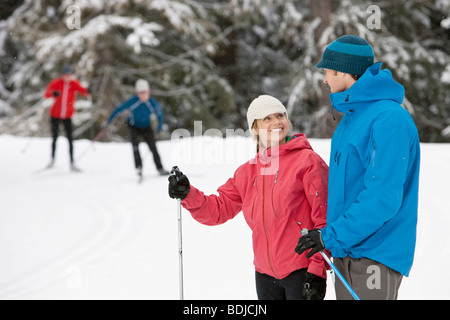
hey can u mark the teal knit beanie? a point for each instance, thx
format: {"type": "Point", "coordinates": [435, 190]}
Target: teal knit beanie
{"type": "Point", "coordinates": [348, 54]}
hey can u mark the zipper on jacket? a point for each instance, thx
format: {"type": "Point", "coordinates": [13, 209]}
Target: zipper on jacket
{"type": "Point", "coordinates": [337, 157]}
{"type": "Point", "coordinates": [254, 199]}
{"type": "Point", "coordinates": [265, 229]}
{"type": "Point", "coordinates": [273, 187]}
{"type": "Point", "coordinates": [64, 100]}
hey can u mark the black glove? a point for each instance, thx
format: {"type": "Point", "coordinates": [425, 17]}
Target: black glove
{"type": "Point", "coordinates": [55, 93]}
{"type": "Point", "coordinates": [178, 185]}
{"type": "Point", "coordinates": [312, 240]}
{"type": "Point", "coordinates": [314, 287]}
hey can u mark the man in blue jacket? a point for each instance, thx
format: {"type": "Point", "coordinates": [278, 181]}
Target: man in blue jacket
{"type": "Point", "coordinates": [373, 175]}
{"type": "Point", "coordinates": [144, 112]}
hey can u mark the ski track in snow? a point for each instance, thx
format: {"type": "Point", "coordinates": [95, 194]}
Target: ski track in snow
{"type": "Point", "coordinates": [99, 234]}
{"type": "Point", "coordinates": [108, 227]}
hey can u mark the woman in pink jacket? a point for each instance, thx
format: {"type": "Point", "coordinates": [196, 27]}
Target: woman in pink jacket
{"type": "Point", "coordinates": [282, 190]}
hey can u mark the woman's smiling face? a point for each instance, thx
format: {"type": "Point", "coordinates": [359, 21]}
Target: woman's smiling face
{"type": "Point", "coordinates": [272, 129]}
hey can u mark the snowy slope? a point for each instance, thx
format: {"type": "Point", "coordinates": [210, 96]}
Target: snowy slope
{"type": "Point", "coordinates": [98, 234]}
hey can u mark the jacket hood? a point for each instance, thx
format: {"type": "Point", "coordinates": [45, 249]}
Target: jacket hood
{"type": "Point", "coordinates": [298, 141]}
{"type": "Point", "coordinates": [374, 85]}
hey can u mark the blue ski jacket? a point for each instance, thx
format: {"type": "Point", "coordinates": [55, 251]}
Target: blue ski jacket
{"type": "Point", "coordinates": [374, 174]}
{"type": "Point", "coordinates": [140, 113]}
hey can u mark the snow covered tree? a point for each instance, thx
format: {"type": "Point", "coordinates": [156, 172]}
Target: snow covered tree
{"type": "Point", "coordinates": [113, 44]}
{"type": "Point", "coordinates": [206, 60]}
{"type": "Point", "coordinates": [412, 40]}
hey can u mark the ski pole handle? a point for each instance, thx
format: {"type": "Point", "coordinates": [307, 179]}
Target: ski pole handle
{"type": "Point", "coordinates": [304, 232]}
{"type": "Point", "coordinates": [175, 171]}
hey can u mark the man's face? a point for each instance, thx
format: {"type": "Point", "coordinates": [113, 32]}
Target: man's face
{"type": "Point", "coordinates": [143, 95]}
{"type": "Point", "coordinates": [66, 77]}
{"type": "Point", "coordinates": [335, 80]}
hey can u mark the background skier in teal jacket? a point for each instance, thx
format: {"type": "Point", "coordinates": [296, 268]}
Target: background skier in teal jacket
{"type": "Point", "coordinates": [373, 177]}
{"type": "Point", "coordinates": [144, 116]}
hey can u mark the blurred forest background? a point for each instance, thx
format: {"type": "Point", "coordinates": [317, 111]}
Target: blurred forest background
{"type": "Point", "coordinates": [207, 60]}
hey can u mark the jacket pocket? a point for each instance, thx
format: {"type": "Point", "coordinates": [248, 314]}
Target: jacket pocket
{"type": "Point", "coordinates": [272, 196]}
{"type": "Point", "coordinates": [254, 198]}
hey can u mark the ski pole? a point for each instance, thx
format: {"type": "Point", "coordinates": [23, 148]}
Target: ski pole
{"type": "Point", "coordinates": [98, 136]}
{"type": "Point", "coordinates": [176, 171]}
{"type": "Point", "coordinates": [336, 271]}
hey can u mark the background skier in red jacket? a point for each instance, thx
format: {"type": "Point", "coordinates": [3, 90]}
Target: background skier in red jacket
{"type": "Point", "coordinates": [64, 90]}
{"type": "Point", "coordinates": [282, 190]}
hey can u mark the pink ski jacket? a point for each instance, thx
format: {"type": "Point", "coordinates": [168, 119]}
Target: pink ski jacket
{"type": "Point", "coordinates": [281, 191]}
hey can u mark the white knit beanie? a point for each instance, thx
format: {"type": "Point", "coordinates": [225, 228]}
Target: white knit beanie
{"type": "Point", "coordinates": [261, 107]}
{"type": "Point", "coordinates": [142, 85]}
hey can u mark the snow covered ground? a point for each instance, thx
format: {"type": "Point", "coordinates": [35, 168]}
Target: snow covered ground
{"type": "Point", "coordinates": [98, 234]}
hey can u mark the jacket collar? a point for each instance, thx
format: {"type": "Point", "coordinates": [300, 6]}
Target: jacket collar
{"type": "Point", "coordinates": [297, 142]}
{"type": "Point", "coordinates": [374, 85]}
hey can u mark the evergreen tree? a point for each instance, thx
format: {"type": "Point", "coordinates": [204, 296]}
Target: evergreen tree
{"type": "Point", "coordinates": [206, 60]}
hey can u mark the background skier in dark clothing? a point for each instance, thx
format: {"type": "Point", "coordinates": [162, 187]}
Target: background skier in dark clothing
{"type": "Point", "coordinates": [145, 116]}
{"type": "Point", "coordinates": [63, 90]}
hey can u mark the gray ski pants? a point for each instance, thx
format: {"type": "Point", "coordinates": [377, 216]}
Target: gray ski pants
{"type": "Point", "coordinates": [370, 279]}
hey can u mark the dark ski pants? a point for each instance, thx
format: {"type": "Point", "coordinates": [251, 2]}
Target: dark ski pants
{"type": "Point", "coordinates": [288, 288]}
{"type": "Point", "coordinates": [149, 138]}
{"type": "Point", "coordinates": [54, 124]}
{"type": "Point", "coordinates": [370, 279]}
